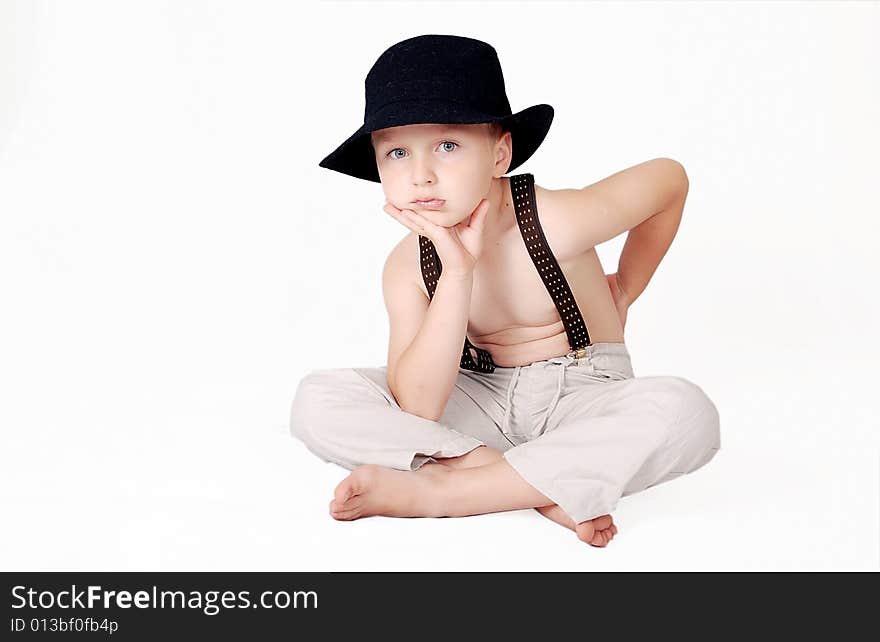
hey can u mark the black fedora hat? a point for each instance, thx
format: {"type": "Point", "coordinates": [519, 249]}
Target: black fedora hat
{"type": "Point", "coordinates": [441, 79]}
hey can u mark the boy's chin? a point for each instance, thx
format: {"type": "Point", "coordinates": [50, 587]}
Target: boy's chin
{"type": "Point", "coordinates": [453, 221]}
{"type": "Point", "coordinates": [443, 219]}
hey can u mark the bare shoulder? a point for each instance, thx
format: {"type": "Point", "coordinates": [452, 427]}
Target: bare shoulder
{"type": "Point", "coordinates": [556, 210]}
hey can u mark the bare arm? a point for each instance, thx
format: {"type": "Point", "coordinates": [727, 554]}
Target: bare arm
{"type": "Point", "coordinates": [425, 372]}
{"type": "Point", "coordinates": [622, 202]}
{"type": "Point", "coordinates": [427, 337]}
{"type": "Point", "coordinates": [646, 245]}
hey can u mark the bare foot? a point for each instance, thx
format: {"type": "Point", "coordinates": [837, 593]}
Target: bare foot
{"type": "Point", "coordinates": [376, 490]}
{"type": "Point", "coordinates": [596, 532]}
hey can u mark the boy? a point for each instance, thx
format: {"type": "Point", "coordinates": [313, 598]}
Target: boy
{"type": "Point", "coordinates": [539, 408]}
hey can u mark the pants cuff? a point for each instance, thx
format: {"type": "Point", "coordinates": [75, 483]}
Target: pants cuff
{"type": "Point", "coordinates": [453, 448]}
{"type": "Point", "coordinates": [581, 499]}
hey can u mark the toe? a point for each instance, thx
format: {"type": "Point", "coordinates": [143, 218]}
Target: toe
{"type": "Point", "coordinates": [342, 492]}
{"type": "Point", "coordinates": [355, 484]}
{"type": "Point", "coordinates": [585, 531]}
{"type": "Point", "coordinates": [346, 515]}
{"type": "Point", "coordinates": [602, 522]}
{"type": "Point", "coordinates": [338, 508]}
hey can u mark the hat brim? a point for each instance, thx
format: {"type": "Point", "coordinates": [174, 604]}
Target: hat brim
{"type": "Point", "coordinates": [356, 157]}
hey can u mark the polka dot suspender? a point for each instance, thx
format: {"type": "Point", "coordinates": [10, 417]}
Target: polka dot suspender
{"type": "Point", "coordinates": [522, 188]}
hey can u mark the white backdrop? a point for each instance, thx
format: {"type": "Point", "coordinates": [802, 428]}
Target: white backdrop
{"type": "Point", "coordinates": [173, 261]}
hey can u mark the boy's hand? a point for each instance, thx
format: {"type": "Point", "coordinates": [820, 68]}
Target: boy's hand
{"type": "Point", "coordinates": [459, 247]}
{"type": "Point", "coordinates": [621, 302]}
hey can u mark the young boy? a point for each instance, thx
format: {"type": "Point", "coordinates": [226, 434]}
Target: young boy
{"type": "Point", "coordinates": [508, 383]}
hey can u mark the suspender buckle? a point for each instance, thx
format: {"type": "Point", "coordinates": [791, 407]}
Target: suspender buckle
{"type": "Point", "coordinates": [580, 353]}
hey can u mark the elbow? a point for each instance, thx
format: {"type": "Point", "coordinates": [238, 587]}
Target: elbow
{"type": "Point", "coordinates": [685, 182]}
{"type": "Point", "coordinates": [422, 410]}
{"type": "Point", "coordinates": [417, 409]}
{"type": "Point", "coordinates": [430, 416]}
{"type": "Point", "coordinates": [678, 174]}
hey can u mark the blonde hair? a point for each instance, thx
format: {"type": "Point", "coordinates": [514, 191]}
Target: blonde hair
{"type": "Point", "coordinates": [496, 131]}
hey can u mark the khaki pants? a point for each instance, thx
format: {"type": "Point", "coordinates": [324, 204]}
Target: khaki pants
{"type": "Point", "coordinates": [584, 432]}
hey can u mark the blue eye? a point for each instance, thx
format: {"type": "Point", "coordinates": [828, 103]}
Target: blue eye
{"type": "Point", "coordinates": [445, 142]}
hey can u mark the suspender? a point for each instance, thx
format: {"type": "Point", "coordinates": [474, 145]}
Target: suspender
{"type": "Point", "coordinates": [522, 186]}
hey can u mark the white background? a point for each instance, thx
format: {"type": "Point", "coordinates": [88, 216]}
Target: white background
{"type": "Point", "coordinates": [173, 261]}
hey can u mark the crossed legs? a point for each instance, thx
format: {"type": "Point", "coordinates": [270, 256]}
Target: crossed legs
{"type": "Point", "coordinates": [478, 482]}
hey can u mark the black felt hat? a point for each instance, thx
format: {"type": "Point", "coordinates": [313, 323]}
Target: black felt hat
{"type": "Point", "coordinates": [439, 79]}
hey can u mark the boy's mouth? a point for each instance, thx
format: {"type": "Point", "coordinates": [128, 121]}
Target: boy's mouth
{"type": "Point", "coordinates": [436, 203]}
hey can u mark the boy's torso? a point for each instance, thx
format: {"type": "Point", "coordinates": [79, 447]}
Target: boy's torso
{"type": "Point", "coordinates": [512, 315]}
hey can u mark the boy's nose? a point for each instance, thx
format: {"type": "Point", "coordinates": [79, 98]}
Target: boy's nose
{"type": "Point", "coordinates": [422, 173]}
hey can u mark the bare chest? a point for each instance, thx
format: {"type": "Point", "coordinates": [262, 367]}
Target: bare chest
{"type": "Point", "coordinates": [512, 314]}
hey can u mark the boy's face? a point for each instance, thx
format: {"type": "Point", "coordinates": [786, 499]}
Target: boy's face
{"type": "Point", "coordinates": [455, 163]}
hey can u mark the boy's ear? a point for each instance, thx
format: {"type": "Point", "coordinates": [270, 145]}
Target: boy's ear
{"type": "Point", "coordinates": [504, 153]}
